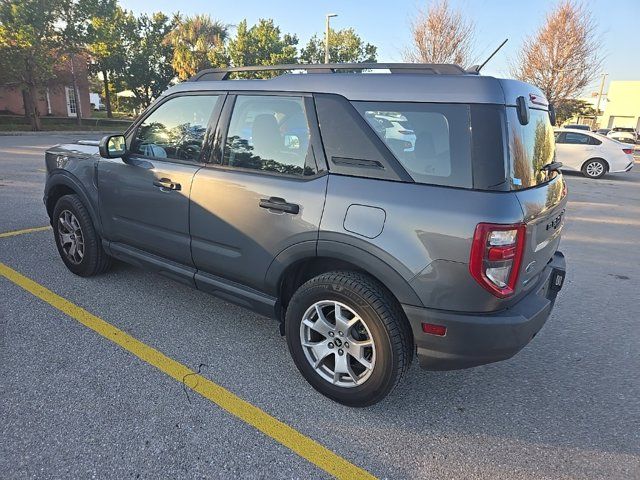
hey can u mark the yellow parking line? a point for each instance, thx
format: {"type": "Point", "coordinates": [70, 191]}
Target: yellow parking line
{"type": "Point", "coordinates": [304, 446]}
{"type": "Point", "coordinates": [13, 233]}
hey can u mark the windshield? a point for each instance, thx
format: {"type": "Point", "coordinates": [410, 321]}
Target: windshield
{"type": "Point", "coordinates": [531, 147]}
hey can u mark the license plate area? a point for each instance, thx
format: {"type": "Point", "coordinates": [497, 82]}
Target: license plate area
{"type": "Point", "coordinates": [557, 280]}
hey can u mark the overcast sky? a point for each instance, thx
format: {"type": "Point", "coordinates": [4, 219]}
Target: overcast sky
{"type": "Point", "coordinates": [385, 24]}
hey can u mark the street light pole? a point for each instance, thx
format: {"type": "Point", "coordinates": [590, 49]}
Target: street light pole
{"type": "Point", "coordinates": [604, 76]}
{"type": "Point", "coordinates": [326, 36]}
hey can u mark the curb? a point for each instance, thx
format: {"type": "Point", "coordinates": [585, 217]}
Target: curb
{"type": "Point", "coordinates": [59, 132]}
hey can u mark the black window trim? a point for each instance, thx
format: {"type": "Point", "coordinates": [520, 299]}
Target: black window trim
{"type": "Point", "coordinates": [390, 169]}
{"type": "Point", "coordinates": [207, 142]}
{"type": "Point", "coordinates": [215, 157]}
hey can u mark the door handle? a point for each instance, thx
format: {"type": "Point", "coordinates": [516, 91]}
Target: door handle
{"type": "Point", "coordinates": [166, 184]}
{"type": "Point", "coordinates": [279, 204]}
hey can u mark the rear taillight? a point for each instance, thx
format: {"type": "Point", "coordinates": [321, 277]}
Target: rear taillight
{"type": "Point", "coordinates": [496, 254]}
{"type": "Point", "coordinates": [628, 151]}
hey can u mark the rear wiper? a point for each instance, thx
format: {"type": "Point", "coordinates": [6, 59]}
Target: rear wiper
{"type": "Point", "coordinates": [551, 167]}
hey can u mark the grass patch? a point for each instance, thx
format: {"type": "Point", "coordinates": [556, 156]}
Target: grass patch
{"type": "Point", "coordinates": [15, 123]}
{"type": "Point", "coordinates": [116, 115]}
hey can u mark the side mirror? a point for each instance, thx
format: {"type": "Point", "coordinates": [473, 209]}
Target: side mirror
{"type": "Point", "coordinates": [552, 115]}
{"type": "Point", "coordinates": [112, 146]}
{"type": "Point", "coordinates": [523, 110]}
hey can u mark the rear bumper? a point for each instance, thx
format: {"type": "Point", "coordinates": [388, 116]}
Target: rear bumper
{"type": "Point", "coordinates": [477, 339]}
{"type": "Point", "coordinates": [625, 169]}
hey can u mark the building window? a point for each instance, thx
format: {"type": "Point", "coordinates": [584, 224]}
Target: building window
{"type": "Point", "coordinates": [72, 109]}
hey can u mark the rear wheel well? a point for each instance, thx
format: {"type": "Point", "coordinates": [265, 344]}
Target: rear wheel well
{"type": "Point", "coordinates": [55, 194]}
{"type": "Point", "coordinates": [302, 271]}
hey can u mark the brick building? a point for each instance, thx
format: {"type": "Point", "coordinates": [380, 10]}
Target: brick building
{"type": "Point", "coordinates": [56, 98]}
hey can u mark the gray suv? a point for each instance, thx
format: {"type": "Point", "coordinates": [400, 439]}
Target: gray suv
{"type": "Point", "coordinates": [374, 216]}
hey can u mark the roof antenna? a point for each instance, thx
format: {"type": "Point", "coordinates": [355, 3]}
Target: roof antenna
{"type": "Point", "coordinates": [476, 68]}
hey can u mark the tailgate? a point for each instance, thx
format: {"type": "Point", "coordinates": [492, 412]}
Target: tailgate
{"type": "Point", "coordinates": [544, 208]}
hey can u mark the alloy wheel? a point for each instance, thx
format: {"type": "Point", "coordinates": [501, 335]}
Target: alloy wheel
{"type": "Point", "coordinates": [71, 237]}
{"type": "Point", "coordinates": [595, 169]}
{"type": "Point", "coordinates": [337, 343]}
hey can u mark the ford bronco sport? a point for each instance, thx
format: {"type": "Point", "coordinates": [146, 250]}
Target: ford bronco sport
{"type": "Point", "coordinates": [297, 197]}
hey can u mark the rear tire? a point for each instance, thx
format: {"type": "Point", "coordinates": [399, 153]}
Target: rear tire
{"type": "Point", "coordinates": [594, 168]}
{"type": "Point", "coordinates": [78, 243]}
{"type": "Point", "coordinates": [365, 346]}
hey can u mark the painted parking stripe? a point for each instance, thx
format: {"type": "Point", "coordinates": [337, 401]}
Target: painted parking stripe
{"type": "Point", "coordinates": [13, 233]}
{"type": "Point", "coordinates": [304, 446]}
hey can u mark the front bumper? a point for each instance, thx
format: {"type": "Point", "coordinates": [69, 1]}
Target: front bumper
{"type": "Point", "coordinates": [477, 339]}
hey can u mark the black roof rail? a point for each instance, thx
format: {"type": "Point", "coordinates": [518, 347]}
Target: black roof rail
{"type": "Point", "coordinates": [422, 68]}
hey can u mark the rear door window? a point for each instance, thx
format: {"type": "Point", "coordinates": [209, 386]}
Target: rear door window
{"type": "Point", "coordinates": [431, 141]}
{"type": "Point", "coordinates": [576, 138]}
{"type": "Point", "coordinates": [270, 134]}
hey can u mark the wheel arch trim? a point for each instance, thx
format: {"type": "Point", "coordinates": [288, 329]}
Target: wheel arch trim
{"type": "Point", "coordinates": [66, 179]}
{"type": "Point", "coordinates": [335, 250]}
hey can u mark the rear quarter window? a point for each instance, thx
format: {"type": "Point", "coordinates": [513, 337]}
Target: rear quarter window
{"type": "Point", "coordinates": [431, 141]}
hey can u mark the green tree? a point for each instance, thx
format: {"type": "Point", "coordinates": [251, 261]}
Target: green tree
{"type": "Point", "coordinates": [569, 108]}
{"type": "Point", "coordinates": [148, 71]}
{"type": "Point", "coordinates": [73, 36]}
{"type": "Point", "coordinates": [345, 46]}
{"type": "Point", "coordinates": [107, 45]}
{"type": "Point", "coordinates": [262, 44]}
{"type": "Point", "coordinates": [198, 43]}
{"type": "Point", "coordinates": [27, 44]}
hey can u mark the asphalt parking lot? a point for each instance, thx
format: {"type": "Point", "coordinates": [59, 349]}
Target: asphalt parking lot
{"type": "Point", "coordinates": [74, 404]}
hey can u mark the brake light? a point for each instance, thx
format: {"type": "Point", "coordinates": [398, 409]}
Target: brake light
{"type": "Point", "coordinates": [496, 254]}
{"type": "Point", "coordinates": [628, 151]}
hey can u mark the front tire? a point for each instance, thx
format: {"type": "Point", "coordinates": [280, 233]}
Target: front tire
{"type": "Point", "coordinates": [78, 243]}
{"type": "Point", "coordinates": [594, 168]}
{"type": "Point", "coordinates": [348, 337]}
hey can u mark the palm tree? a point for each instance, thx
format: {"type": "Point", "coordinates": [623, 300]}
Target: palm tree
{"type": "Point", "coordinates": [198, 43]}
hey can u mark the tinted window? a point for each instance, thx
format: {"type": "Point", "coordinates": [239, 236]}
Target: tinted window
{"type": "Point", "coordinates": [531, 147]}
{"type": "Point", "coordinates": [268, 133]}
{"type": "Point", "coordinates": [176, 129]}
{"type": "Point", "coordinates": [575, 138]}
{"type": "Point", "coordinates": [351, 145]}
{"type": "Point", "coordinates": [578, 127]}
{"type": "Point", "coordinates": [431, 141]}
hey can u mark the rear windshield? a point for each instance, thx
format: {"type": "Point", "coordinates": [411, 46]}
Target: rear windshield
{"type": "Point", "coordinates": [623, 129]}
{"type": "Point", "coordinates": [531, 147]}
{"type": "Point", "coordinates": [431, 141]}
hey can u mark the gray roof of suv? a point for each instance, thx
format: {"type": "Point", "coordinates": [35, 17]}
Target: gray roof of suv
{"type": "Point", "coordinates": [396, 87]}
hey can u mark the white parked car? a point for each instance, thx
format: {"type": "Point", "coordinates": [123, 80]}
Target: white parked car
{"type": "Point", "coordinates": [591, 153]}
{"type": "Point", "coordinates": [623, 134]}
{"type": "Point", "coordinates": [396, 131]}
